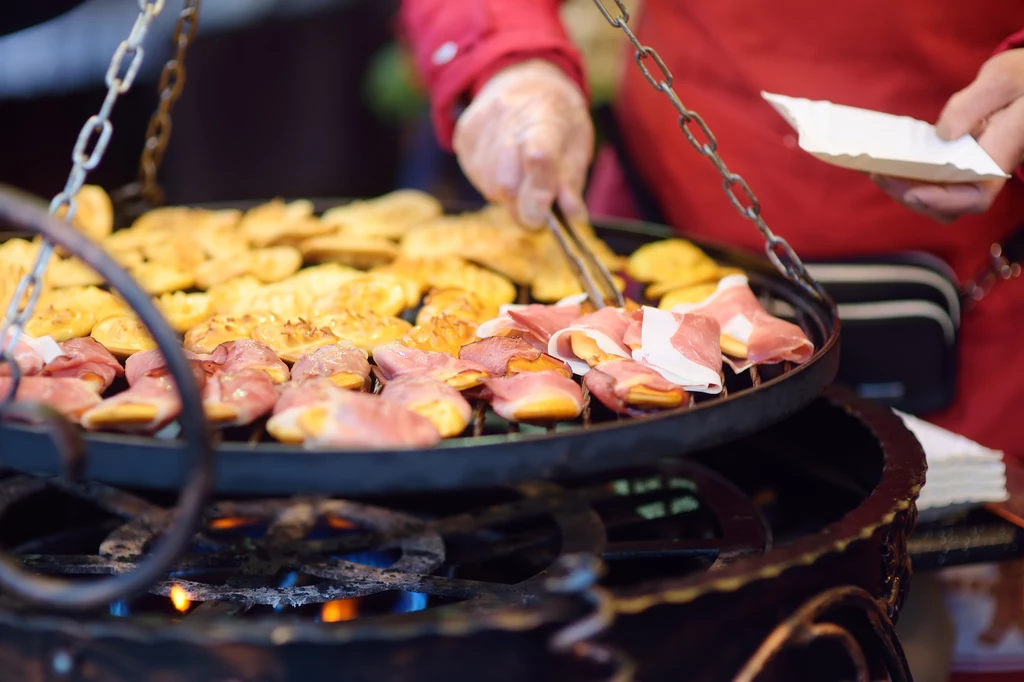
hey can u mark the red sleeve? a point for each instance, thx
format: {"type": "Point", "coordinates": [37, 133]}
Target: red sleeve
{"type": "Point", "coordinates": [459, 44]}
{"type": "Point", "coordinates": [1013, 42]}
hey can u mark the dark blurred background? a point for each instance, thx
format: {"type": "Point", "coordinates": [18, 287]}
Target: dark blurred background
{"type": "Point", "coordinates": [285, 98]}
{"type": "Point", "coordinates": [297, 98]}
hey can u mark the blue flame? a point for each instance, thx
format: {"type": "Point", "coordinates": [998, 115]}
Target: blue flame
{"type": "Point", "coordinates": [411, 601]}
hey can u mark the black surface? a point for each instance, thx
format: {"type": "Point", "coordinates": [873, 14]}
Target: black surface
{"type": "Point", "coordinates": [271, 468]}
{"type": "Point", "coordinates": [16, 16]}
{"type": "Point", "coordinates": [971, 538]}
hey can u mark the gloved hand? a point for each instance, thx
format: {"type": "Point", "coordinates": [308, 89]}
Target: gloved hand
{"type": "Point", "coordinates": [526, 140]}
{"type": "Point", "coordinates": [992, 109]}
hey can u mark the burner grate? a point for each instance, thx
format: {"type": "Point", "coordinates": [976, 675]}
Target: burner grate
{"type": "Point", "coordinates": [330, 559]}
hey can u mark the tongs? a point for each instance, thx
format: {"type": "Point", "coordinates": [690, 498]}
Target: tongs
{"type": "Point", "coordinates": [590, 272]}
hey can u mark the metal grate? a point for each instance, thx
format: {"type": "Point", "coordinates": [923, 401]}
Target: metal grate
{"type": "Point", "coordinates": [291, 556]}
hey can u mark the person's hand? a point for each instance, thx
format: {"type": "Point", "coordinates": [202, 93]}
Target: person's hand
{"type": "Point", "coordinates": [526, 141]}
{"type": "Point", "coordinates": [992, 109]}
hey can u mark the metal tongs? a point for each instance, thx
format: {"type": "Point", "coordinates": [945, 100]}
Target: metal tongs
{"type": "Point", "coordinates": [590, 272]}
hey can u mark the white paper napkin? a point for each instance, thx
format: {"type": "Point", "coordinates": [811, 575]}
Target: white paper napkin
{"type": "Point", "coordinates": [960, 471]}
{"type": "Point", "coordinates": [875, 142]}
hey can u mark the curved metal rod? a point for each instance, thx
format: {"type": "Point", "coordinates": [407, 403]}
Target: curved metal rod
{"type": "Point", "coordinates": [44, 591]}
{"type": "Point", "coordinates": [803, 628]}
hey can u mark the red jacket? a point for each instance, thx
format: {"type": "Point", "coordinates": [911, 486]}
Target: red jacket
{"type": "Point", "coordinates": [899, 56]}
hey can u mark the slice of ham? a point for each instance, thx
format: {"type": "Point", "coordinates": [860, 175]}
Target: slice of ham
{"type": "Point", "coordinates": [239, 397]}
{"type": "Point", "coordinates": [507, 355]}
{"type": "Point", "coordinates": [445, 407]}
{"type": "Point", "coordinates": [535, 323]}
{"type": "Point", "coordinates": [351, 419]}
{"type": "Point", "coordinates": [685, 349]}
{"type": "Point", "coordinates": [85, 359]}
{"type": "Point", "coordinates": [395, 360]}
{"type": "Point", "coordinates": [242, 379]}
{"type": "Point", "coordinates": [31, 354]}
{"type": "Point", "coordinates": [151, 401]}
{"type": "Point", "coordinates": [630, 387]}
{"type": "Point", "coordinates": [606, 328]}
{"type": "Point", "coordinates": [741, 316]}
{"type": "Point", "coordinates": [303, 394]}
{"type": "Point", "coordinates": [69, 396]}
{"type": "Point", "coordinates": [150, 404]}
{"type": "Point", "coordinates": [151, 362]}
{"type": "Point", "coordinates": [535, 397]}
{"type": "Point", "coordinates": [246, 354]}
{"type": "Point", "coordinates": [343, 363]}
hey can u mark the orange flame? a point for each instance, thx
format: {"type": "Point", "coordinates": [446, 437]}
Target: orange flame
{"type": "Point", "coordinates": [180, 598]}
{"type": "Point", "coordinates": [337, 611]}
{"type": "Point", "coordinates": [340, 523]}
{"type": "Point", "coordinates": [229, 522]}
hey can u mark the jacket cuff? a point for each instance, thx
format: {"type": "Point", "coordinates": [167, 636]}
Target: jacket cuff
{"type": "Point", "coordinates": [458, 46]}
{"type": "Point", "coordinates": [1013, 42]}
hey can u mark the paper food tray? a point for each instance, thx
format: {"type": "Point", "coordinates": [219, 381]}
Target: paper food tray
{"type": "Point", "coordinates": [885, 144]}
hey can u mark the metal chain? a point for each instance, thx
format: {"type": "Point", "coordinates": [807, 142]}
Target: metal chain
{"type": "Point", "coordinates": [778, 250]}
{"type": "Point", "coordinates": [146, 191]}
{"type": "Point", "coordinates": [87, 153]}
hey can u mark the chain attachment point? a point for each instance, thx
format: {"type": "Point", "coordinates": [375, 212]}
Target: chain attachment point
{"type": "Point", "coordinates": [779, 252]}
{"type": "Point", "coordinates": [90, 146]}
{"type": "Point", "coordinates": [133, 199]}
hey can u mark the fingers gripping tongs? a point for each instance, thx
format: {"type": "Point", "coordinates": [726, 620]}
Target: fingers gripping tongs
{"type": "Point", "coordinates": [590, 272]}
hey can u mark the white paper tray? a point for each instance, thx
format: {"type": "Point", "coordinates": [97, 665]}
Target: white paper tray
{"type": "Point", "coordinates": [874, 142]}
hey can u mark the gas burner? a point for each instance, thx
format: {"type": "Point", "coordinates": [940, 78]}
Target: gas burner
{"type": "Point", "coordinates": [497, 584]}
{"type": "Point", "coordinates": [329, 559]}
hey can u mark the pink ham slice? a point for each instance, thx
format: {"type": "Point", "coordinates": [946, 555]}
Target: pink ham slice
{"type": "Point", "coordinates": [685, 349]}
{"type": "Point", "coordinates": [151, 401]}
{"type": "Point", "coordinates": [309, 392]}
{"type": "Point", "coordinates": [395, 360]}
{"type": "Point", "coordinates": [245, 354]}
{"type": "Point", "coordinates": [351, 419]}
{"type": "Point", "coordinates": [496, 353]}
{"type": "Point", "coordinates": [152, 363]}
{"type": "Point", "coordinates": [239, 397]}
{"type": "Point", "coordinates": [611, 382]}
{"type": "Point", "coordinates": [295, 398]}
{"type": "Point", "coordinates": [69, 396]}
{"type": "Point", "coordinates": [242, 379]}
{"type": "Point", "coordinates": [85, 359]}
{"type": "Point", "coordinates": [606, 327]}
{"type": "Point", "coordinates": [534, 323]}
{"type": "Point", "coordinates": [31, 355]}
{"type": "Point", "coordinates": [340, 359]}
{"type": "Point", "coordinates": [443, 405]}
{"type": "Point", "coordinates": [741, 316]}
{"type": "Point", "coordinates": [535, 397]}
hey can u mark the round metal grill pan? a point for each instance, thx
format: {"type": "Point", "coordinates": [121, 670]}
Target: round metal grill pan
{"type": "Point", "coordinates": [267, 468]}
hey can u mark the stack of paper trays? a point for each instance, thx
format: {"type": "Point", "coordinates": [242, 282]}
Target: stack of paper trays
{"type": "Point", "coordinates": [960, 471]}
{"type": "Point", "coordinates": [875, 142]}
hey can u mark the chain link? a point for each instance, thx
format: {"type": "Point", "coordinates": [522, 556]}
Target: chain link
{"type": "Point", "coordinates": [87, 153]}
{"type": "Point", "coordinates": [778, 250]}
{"type": "Point", "coordinates": [146, 192]}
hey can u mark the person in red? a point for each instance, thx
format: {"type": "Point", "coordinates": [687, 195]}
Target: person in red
{"type": "Point", "coordinates": [508, 94]}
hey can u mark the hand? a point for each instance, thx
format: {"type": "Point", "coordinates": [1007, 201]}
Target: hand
{"type": "Point", "coordinates": [526, 140]}
{"type": "Point", "coordinates": [992, 109]}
